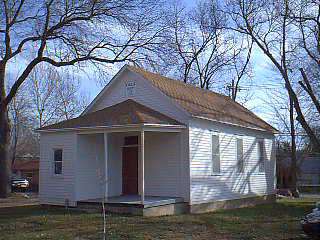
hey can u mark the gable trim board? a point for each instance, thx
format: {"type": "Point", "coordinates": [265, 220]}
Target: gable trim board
{"type": "Point", "coordinates": [233, 124]}
{"type": "Point", "coordinates": [120, 128]}
{"type": "Point", "coordinates": [102, 92]}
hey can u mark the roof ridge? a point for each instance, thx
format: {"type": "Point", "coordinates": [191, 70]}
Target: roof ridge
{"type": "Point", "coordinates": [180, 82]}
{"type": "Point", "coordinates": [210, 94]}
{"type": "Point", "coordinates": [196, 87]}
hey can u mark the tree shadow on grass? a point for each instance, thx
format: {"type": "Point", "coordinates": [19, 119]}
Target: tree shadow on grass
{"type": "Point", "coordinates": [280, 220]}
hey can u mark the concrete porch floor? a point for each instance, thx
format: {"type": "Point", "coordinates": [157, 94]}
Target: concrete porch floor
{"type": "Point", "coordinates": [135, 201]}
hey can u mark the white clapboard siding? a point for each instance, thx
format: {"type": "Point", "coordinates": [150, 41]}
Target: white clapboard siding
{"type": "Point", "coordinates": [115, 143]}
{"type": "Point", "coordinates": [207, 186]}
{"type": "Point", "coordinates": [56, 189]}
{"type": "Point", "coordinates": [90, 167]}
{"type": "Point", "coordinates": [163, 176]}
{"type": "Point", "coordinates": [145, 93]}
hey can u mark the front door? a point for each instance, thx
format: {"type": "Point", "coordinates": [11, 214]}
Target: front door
{"type": "Point", "coordinates": [130, 170]}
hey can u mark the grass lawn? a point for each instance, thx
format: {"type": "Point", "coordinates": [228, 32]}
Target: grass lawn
{"type": "Point", "coordinates": [272, 221]}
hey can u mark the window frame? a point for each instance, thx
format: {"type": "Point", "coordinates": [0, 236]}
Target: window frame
{"type": "Point", "coordinates": [54, 161]}
{"type": "Point", "coordinates": [213, 172]}
{"type": "Point", "coordinates": [130, 88]}
{"type": "Point", "coordinates": [261, 158]}
{"type": "Point", "coordinates": [237, 154]}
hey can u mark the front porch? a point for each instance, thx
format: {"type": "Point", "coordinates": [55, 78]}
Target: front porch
{"type": "Point", "coordinates": [131, 204]}
{"type": "Point", "coordinates": [137, 170]}
{"type": "Point", "coordinates": [135, 201]}
{"type": "Point", "coordinates": [130, 155]}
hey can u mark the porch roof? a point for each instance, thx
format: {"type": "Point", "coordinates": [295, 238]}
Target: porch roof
{"type": "Point", "coordinates": [126, 113]}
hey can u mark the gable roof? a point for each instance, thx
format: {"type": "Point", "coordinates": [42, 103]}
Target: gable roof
{"type": "Point", "coordinates": [126, 112]}
{"type": "Point", "coordinates": [204, 103]}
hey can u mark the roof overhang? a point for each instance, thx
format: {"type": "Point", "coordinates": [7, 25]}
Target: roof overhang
{"type": "Point", "coordinates": [237, 125]}
{"type": "Point", "coordinates": [120, 128]}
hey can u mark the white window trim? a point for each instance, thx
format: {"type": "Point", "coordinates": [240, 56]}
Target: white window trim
{"type": "Point", "coordinates": [53, 163]}
{"type": "Point", "coordinates": [213, 173]}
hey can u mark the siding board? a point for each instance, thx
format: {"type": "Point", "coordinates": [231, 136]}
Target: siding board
{"type": "Point", "coordinates": [162, 165]}
{"type": "Point", "coordinates": [206, 186]}
{"type": "Point", "coordinates": [145, 93]}
{"type": "Point", "coordinates": [56, 189]}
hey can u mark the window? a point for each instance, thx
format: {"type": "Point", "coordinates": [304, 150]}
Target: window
{"type": "Point", "coordinates": [261, 155]}
{"type": "Point", "coordinates": [215, 154]}
{"type": "Point", "coordinates": [58, 161]}
{"type": "Point", "coordinates": [240, 160]}
{"type": "Point", "coordinates": [130, 88]}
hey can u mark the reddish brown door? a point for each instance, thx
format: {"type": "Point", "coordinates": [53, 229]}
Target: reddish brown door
{"type": "Point", "coordinates": [130, 170]}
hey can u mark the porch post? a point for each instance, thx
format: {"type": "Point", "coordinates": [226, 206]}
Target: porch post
{"type": "Point", "coordinates": [105, 182]}
{"type": "Point", "coordinates": [142, 166]}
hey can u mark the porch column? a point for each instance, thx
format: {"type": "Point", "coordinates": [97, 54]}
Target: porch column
{"type": "Point", "coordinates": [142, 166]}
{"type": "Point", "coordinates": [105, 182]}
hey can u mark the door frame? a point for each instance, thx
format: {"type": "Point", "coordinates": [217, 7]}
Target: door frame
{"type": "Point", "coordinates": [136, 146]}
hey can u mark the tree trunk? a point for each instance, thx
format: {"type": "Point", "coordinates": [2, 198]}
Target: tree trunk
{"type": "Point", "coordinates": [4, 154]}
{"type": "Point", "coordinates": [4, 140]}
{"type": "Point", "coordinates": [293, 167]}
{"type": "Point", "coordinates": [300, 117]}
{"type": "Point", "coordinates": [233, 90]}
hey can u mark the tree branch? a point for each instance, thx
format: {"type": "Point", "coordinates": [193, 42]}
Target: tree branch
{"type": "Point", "coordinates": [307, 87]}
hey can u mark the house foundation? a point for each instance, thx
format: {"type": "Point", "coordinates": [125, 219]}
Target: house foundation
{"type": "Point", "coordinates": [232, 204]}
{"type": "Point", "coordinates": [162, 206]}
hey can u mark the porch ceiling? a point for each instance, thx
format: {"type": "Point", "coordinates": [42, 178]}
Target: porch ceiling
{"type": "Point", "coordinates": [125, 114]}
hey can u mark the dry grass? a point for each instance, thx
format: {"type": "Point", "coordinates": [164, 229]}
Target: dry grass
{"type": "Point", "coordinates": [272, 221]}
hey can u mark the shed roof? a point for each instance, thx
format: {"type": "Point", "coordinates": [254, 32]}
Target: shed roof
{"type": "Point", "coordinates": [204, 103]}
{"type": "Point", "coordinates": [124, 113]}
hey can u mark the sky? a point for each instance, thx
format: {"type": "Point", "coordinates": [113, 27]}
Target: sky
{"type": "Point", "coordinates": [264, 81]}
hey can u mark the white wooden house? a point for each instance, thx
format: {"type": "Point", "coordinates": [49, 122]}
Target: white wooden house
{"type": "Point", "coordinates": [154, 142]}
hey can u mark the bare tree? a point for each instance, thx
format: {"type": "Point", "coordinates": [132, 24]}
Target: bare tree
{"type": "Point", "coordinates": [218, 54]}
{"type": "Point", "coordinates": [54, 95]}
{"type": "Point", "coordinates": [197, 37]}
{"type": "Point", "coordinates": [240, 67]}
{"type": "Point", "coordinates": [284, 118]}
{"type": "Point", "coordinates": [62, 33]}
{"type": "Point", "coordinates": [70, 100]}
{"type": "Point", "coordinates": [21, 123]}
{"type": "Point", "coordinates": [206, 52]}
{"type": "Point", "coordinates": [42, 87]}
{"type": "Point", "coordinates": [201, 43]}
{"type": "Point", "coordinates": [271, 28]}
{"type": "Point", "coordinates": [181, 41]}
{"type": "Point", "coordinates": [47, 97]}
